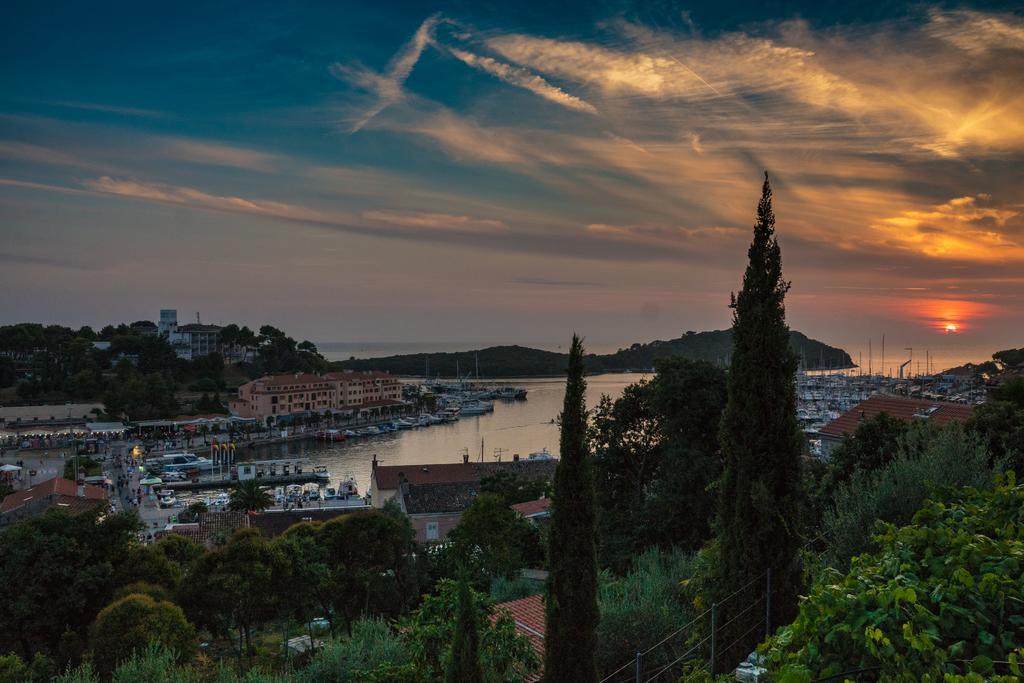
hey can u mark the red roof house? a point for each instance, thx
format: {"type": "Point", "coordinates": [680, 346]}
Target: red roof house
{"type": "Point", "coordinates": [57, 492]}
{"type": "Point", "coordinates": [906, 409]}
{"type": "Point", "coordinates": [528, 615]}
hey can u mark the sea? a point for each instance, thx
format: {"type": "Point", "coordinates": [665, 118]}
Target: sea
{"type": "Point", "coordinates": [515, 427]}
{"type": "Point", "coordinates": [525, 427]}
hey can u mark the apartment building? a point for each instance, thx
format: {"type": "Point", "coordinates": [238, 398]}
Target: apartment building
{"type": "Point", "coordinates": [281, 395]}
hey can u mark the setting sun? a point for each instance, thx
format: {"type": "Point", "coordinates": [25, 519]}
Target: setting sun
{"type": "Point", "coordinates": [951, 327]}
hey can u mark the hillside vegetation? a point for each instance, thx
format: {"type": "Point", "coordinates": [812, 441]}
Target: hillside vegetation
{"type": "Point", "coordinates": [522, 361]}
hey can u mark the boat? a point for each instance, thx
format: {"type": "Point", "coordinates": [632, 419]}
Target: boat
{"type": "Point", "coordinates": [180, 462]}
{"type": "Point", "coordinates": [321, 473]}
{"type": "Point", "coordinates": [542, 454]}
{"type": "Point", "coordinates": [347, 488]}
{"type": "Point", "coordinates": [476, 407]}
{"type": "Point", "coordinates": [349, 433]}
{"type": "Point", "coordinates": [331, 435]}
{"type": "Point", "coordinates": [330, 493]}
{"type": "Point", "coordinates": [510, 394]}
{"type": "Point", "coordinates": [371, 431]}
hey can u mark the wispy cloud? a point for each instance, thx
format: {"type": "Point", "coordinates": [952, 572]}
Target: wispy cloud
{"type": "Point", "coordinates": [521, 78]}
{"type": "Point", "coordinates": [548, 282]}
{"type": "Point", "coordinates": [106, 108]}
{"type": "Point", "coordinates": [387, 86]}
{"type": "Point", "coordinates": [217, 154]}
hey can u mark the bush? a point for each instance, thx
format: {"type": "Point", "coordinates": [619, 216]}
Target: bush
{"type": "Point", "coordinates": [372, 652]}
{"type": "Point", "coordinates": [950, 456]}
{"type": "Point", "coordinates": [135, 622]}
{"type": "Point", "coordinates": [942, 596]}
{"type": "Point", "coordinates": [642, 607]}
{"type": "Point", "coordinates": [505, 590]}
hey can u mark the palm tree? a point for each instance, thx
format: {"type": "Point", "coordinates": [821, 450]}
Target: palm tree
{"type": "Point", "coordinates": [248, 496]}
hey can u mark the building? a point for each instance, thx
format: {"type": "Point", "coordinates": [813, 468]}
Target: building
{"type": "Point", "coordinates": [53, 493]}
{"type": "Point", "coordinates": [196, 340]}
{"type": "Point", "coordinates": [906, 409]}
{"type": "Point", "coordinates": [191, 341]}
{"type": "Point", "coordinates": [534, 510]}
{"type": "Point", "coordinates": [435, 496]}
{"type": "Point", "coordinates": [278, 396]}
{"type": "Point", "coordinates": [530, 620]}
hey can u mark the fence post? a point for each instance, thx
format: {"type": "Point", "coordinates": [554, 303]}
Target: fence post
{"type": "Point", "coordinates": [714, 609]}
{"type": "Point", "coordinates": [638, 656]}
{"type": "Point", "coordinates": [768, 603]}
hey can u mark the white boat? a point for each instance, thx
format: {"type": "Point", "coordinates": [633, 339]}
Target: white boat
{"type": "Point", "coordinates": [181, 462]}
{"type": "Point", "coordinates": [330, 493]}
{"type": "Point", "coordinates": [476, 407]}
{"type": "Point", "coordinates": [350, 433]}
{"type": "Point", "coordinates": [542, 454]}
{"type": "Point", "coordinates": [371, 431]}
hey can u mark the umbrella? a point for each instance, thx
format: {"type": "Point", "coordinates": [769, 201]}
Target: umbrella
{"type": "Point", "coordinates": [9, 468]}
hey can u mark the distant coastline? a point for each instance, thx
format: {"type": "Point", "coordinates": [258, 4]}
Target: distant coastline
{"type": "Point", "coordinates": [512, 361]}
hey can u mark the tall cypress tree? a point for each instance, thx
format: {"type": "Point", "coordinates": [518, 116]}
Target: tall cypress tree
{"type": "Point", "coordinates": [759, 495]}
{"type": "Point", "coordinates": [570, 639]}
{"type": "Point", "coordinates": [464, 658]}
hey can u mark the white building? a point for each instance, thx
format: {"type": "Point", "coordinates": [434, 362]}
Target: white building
{"type": "Point", "coordinates": [191, 341]}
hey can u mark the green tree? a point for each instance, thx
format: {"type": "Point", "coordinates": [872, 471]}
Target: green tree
{"type": "Point", "coordinates": [134, 622]}
{"type": "Point", "coordinates": [759, 497]}
{"type": "Point", "coordinates": [234, 588]}
{"type": "Point", "coordinates": [505, 654]}
{"type": "Point", "coordinates": [63, 565]}
{"type": "Point", "coordinates": [369, 556]}
{"type": "Point", "coordinates": [656, 459]}
{"type": "Point", "coordinates": [1000, 426]}
{"type": "Point", "coordinates": [570, 641]}
{"type": "Point", "coordinates": [493, 540]}
{"type": "Point", "coordinates": [249, 496]}
{"type": "Point", "coordinates": [463, 664]}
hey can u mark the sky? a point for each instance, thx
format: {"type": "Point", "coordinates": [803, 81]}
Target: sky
{"type": "Point", "coordinates": [514, 172]}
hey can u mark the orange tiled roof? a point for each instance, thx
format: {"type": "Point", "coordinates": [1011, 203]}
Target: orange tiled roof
{"type": "Point", "coordinates": [528, 615]}
{"type": "Point", "coordinates": [906, 409]}
{"type": "Point", "coordinates": [58, 486]}
{"type": "Point", "coordinates": [532, 507]}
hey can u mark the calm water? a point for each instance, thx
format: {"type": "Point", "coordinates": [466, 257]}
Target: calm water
{"type": "Point", "coordinates": [514, 427]}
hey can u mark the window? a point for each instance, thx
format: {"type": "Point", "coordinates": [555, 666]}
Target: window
{"type": "Point", "coordinates": [432, 531]}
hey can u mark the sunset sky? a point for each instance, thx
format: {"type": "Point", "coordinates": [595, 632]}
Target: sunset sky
{"type": "Point", "coordinates": [512, 172]}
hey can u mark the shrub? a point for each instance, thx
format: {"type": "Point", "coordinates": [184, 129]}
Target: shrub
{"type": "Point", "coordinates": [949, 456]}
{"type": "Point", "coordinates": [942, 596]}
{"type": "Point", "coordinates": [642, 607]}
{"type": "Point", "coordinates": [371, 651]}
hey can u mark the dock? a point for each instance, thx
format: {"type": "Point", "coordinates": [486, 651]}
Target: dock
{"type": "Point", "coordinates": [220, 482]}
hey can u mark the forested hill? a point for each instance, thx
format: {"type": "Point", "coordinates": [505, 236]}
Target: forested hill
{"type": "Point", "coordinates": [521, 361]}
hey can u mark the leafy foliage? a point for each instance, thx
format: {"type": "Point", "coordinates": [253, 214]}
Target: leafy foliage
{"type": "Point", "coordinates": [656, 459]}
{"type": "Point", "coordinates": [248, 496]}
{"type": "Point", "coordinates": [942, 595]}
{"type": "Point", "coordinates": [74, 556]}
{"type": "Point", "coordinates": [133, 623]}
{"type": "Point", "coordinates": [926, 457]}
{"type": "Point", "coordinates": [505, 654]}
{"type": "Point", "coordinates": [492, 540]}
{"type": "Point", "coordinates": [640, 608]}
{"type": "Point", "coordinates": [371, 652]}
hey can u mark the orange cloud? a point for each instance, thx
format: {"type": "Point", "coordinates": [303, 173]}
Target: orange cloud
{"type": "Point", "coordinates": [959, 229]}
